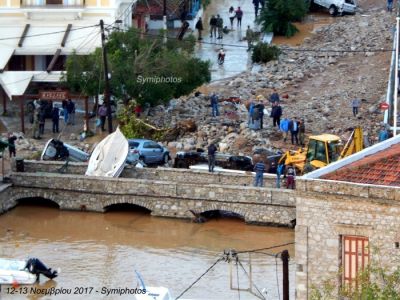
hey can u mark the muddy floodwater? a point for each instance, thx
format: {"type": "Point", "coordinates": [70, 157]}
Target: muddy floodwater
{"type": "Point", "coordinates": [96, 252]}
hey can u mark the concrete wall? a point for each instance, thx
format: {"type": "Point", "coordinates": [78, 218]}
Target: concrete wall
{"type": "Point", "coordinates": [325, 210]}
{"type": "Point", "coordinates": [165, 192]}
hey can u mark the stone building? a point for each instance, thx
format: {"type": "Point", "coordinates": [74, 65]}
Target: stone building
{"type": "Point", "coordinates": [354, 223]}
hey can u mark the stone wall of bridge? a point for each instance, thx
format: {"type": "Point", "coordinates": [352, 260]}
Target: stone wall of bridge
{"type": "Point", "coordinates": [161, 192]}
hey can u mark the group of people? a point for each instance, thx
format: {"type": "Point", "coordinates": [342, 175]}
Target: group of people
{"type": "Point", "coordinates": [289, 173]}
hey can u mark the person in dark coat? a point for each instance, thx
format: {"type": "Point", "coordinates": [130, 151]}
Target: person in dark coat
{"type": "Point", "coordinates": [239, 16]}
{"type": "Point", "coordinates": [71, 112]}
{"type": "Point", "coordinates": [55, 117]}
{"type": "Point", "coordinates": [256, 6]}
{"type": "Point", "coordinates": [199, 27]}
{"type": "Point", "coordinates": [11, 144]}
{"type": "Point", "coordinates": [276, 113]}
{"type": "Point", "coordinates": [220, 26]}
{"type": "Point", "coordinates": [211, 157]}
{"type": "Point", "coordinates": [213, 26]}
{"type": "Point", "coordinates": [294, 130]}
{"type": "Point", "coordinates": [42, 120]}
{"type": "Point", "coordinates": [259, 168]}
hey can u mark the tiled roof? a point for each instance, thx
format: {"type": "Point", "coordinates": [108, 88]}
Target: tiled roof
{"type": "Point", "coordinates": [381, 168]}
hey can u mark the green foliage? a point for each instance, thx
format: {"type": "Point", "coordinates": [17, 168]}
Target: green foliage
{"type": "Point", "coordinates": [278, 15]}
{"type": "Point", "coordinates": [264, 53]}
{"type": "Point", "coordinates": [375, 283]}
{"type": "Point", "coordinates": [133, 127]}
{"type": "Point", "coordinates": [142, 67]}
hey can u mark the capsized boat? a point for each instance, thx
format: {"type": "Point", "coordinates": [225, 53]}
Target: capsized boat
{"type": "Point", "coordinates": [23, 271]}
{"type": "Point", "coordinates": [109, 156]}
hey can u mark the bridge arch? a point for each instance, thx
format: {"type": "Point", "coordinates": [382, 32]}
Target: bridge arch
{"type": "Point", "coordinates": [229, 209]}
{"type": "Point", "coordinates": [136, 202]}
{"type": "Point", "coordinates": [43, 196]}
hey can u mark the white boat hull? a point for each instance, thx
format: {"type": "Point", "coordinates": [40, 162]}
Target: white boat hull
{"type": "Point", "coordinates": [14, 272]}
{"type": "Point", "coordinates": [109, 156]}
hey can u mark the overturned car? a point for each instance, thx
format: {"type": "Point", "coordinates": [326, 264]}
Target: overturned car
{"type": "Point", "coordinates": [228, 161]}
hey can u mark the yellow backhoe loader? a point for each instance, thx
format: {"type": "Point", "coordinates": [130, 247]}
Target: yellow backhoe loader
{"type": "Point", "coordinates": [322, 150]}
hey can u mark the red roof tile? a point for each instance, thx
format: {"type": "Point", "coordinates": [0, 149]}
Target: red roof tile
{"type": "Point", "coordinates": [381, 168]}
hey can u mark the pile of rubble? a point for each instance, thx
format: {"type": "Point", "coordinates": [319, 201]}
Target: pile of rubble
{"type": "Point", "coordinates": [319, 82]}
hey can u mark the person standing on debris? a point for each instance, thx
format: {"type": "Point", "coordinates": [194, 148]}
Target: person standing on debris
{"type": "Point", "coordinates": [284, 127]}
{"type": "Point", "coordinates": [102, 112]}
{"type": "Point", "coordinates": [239, 15]}
{"type": "Point", "coordinates": [279, 172]}
{"type": "Point", "coordinates": [355, 104]}
{"type": "Point", "coordinates": [294, 130]}
{"type": "Point", "coordinates": [232, 15]}
{"type": "Point", "coordinates": [260, 107]}
{"type": "Point", "coordinates": [383, 134]}
{"type": "Point", "coordinates": [302, 131]}
{"type": "Point", "coordinates": [11, 144]}
{"type": "Point", "coordinates": [250, 115]}
{"type": "Point", "coordinates": [259, 168]}
{"type": "Point", "coordinates": [214, 105]}
{"type": "Point", "coordinates": [290, 177]}
{"type": "Point", "coordinates": [274, 97]}
{"type": "Point", "coordinates": [55, 117]}
{"type": "Point", "coordinates": [276, 113]}
{"type": "Point", "coordinates": [220, 26]}
{"type": "Point", "coordinates": [199, 27]}
{"type": "Point", "coordinates": [211, 157]}
{"type": "Point", "coordinates": [389, 5]}
{"type": "Point", "coordinates": [249, 38]}
{"type": "Point", "coordinates": [213, 26]}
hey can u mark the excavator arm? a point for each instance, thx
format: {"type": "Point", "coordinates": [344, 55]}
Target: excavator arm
{"type": "Point", "coordinates": [354, 143]}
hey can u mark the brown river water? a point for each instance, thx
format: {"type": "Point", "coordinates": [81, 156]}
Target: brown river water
{"type": "Point", "coordinates": [96, 252]}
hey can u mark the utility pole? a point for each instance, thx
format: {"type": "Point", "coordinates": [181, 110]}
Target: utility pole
{"type": "Point", "coordinates": [285, 273]}
{"type": "Point", "coordinates": [165, 20]}
{"type": "Point", "coordinates": [106, 83]}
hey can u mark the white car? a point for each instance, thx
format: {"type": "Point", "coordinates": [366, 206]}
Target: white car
{"type": "Point", "coordinates": [338, 7]}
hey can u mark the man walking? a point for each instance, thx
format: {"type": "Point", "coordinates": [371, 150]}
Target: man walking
{"type": "Point", "coordinates": [220, 26]}
{"type": "Point", "coordinates": [249, 38]}
{"type": "Point", "coordinates": [355, 104]}
{"type": "Point", "coordinates": [274, 97]}
{"type": "Point", "coordinates": [294, 130]}
{"type": "Point", "coordinates": [102, 112]}
{"type": "Point", "coordinates": [211, 157]}
{"type": "Point", "coordinates": [259, 168]}
{"type": "Point", "coordinates": [199, 27]}
{"type": "Point", "coordinates": [256, 6]}
{"type": "Point", "coordinates": [214, 105]}
{"type": "Point", "coordinates": [11, 144]}
{"type": "Point", "coordinates": [213, 26]}
{"type": "Point", "coordinates": [71, 112]}
{"type": "Point", "coordinates": [239, 15]}
{"type": "Point", "coordinates": [290, 177]}
{"type": "Point", "coordinates": [279, 172]}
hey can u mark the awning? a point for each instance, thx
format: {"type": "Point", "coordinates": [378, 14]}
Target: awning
{"type": "Point", "coordinates": [46, 39]}
{"type": "Point", "coordinates": [15, 83]}
{"type": "Point", "coordinates": [5, 55]}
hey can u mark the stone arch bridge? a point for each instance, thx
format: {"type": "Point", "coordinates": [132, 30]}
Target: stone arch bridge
{"type": "Point", "coordinates": [165, 192]}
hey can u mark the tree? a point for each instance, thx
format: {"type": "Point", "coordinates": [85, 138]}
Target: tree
{"type": "Point", "coordinates": [374, 283]}
{"type": "Point", "coordinates": [142, 68]}
{"type": "Point", "coordinates": [264, 53]}
{"type": "Point", "coordinates": [278, 15]}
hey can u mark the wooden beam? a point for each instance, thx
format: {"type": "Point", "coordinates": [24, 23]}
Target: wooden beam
{"type": "Point", "coordinates": [53, 61]}
{"type": "Point", "coordinates": [22, 38]}
{"type": "Point", "coordinates": [66, 34]}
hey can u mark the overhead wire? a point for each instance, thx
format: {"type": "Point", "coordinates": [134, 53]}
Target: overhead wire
{"type": "Point", "coordinates": [266, 248]}
{"type": "Point", "coordinates": [200, 277]}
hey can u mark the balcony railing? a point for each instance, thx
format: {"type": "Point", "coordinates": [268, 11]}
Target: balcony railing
{"type": "Point", "coordinates": [56, 4]}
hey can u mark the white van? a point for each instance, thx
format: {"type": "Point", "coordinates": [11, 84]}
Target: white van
{"type": "Point", "coordinates": [338, 7]}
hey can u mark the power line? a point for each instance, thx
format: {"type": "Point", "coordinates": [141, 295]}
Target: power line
{"type": "Point", "coordinates": [47, 33]}
{"type": "Point", "coordinates": [198, 279]}
{"type": "Point", "coordinates": [267, 248]}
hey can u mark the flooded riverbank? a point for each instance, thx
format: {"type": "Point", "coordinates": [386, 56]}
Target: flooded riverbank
{"type": "Point", "coordinates": [104, 250]}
